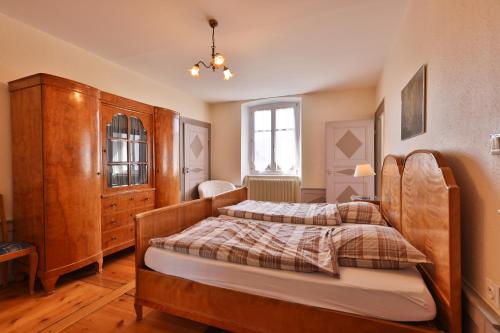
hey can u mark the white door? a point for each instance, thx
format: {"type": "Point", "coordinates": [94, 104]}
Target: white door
{"type": "Point", "coordinates": [348, 143]}
{"type": "Point", "coordinates": [196, 159]}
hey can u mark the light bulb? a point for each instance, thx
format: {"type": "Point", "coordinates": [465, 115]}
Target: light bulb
{"type": "Point", "coordinates": [227, 73]}
{"type": "Point", "coordinates": [195, 71]}
{"type": "Point", "coordinates": [219, 60]}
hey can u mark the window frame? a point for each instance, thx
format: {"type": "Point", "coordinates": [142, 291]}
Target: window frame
{"type": "Point", "coordinates": [273, 107]}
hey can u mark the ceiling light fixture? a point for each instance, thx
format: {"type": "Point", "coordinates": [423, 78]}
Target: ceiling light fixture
{"type": "Point", "coordinates": [217, 60]}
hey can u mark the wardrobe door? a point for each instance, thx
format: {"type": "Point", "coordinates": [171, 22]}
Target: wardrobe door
{"type": "Point", "coordinates": [167, 180]}
{"type": "Point", "coordinates": [71, 176]}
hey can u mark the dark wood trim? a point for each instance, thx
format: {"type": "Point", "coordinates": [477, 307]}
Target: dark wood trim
{"type": "Point", "coordinates": [185, 120]}
{"type": "Point", "coordinates": [126, 103]}
{"type": "Point", "coordinates": [52, 80]}
{"type": "Point", "coordinates": [380, 111]}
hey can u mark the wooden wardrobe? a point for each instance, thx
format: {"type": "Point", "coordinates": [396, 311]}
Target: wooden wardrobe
{"type": "Point", "coordinates": [84, 165]}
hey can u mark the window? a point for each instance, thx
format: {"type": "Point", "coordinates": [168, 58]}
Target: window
{"type": "Point", "coordinates": [275, 139]}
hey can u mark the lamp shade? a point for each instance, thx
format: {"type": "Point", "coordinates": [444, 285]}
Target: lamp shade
{"type": "Point", "coordinates": [363, 170]}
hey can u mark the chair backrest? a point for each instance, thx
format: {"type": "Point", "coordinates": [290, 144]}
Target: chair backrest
{"type": "Point", "coordinates": [214, 187]}
{"type": "Point", "coordinates": [3, 220]}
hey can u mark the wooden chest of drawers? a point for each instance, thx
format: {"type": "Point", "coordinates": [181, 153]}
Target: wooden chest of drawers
{"type": "Point", "coordinates": [118, 212]}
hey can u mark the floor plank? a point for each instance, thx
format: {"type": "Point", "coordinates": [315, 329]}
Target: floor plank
{"type": "Point", "coordinates": [20, 312]}
{"type": "Point", "coordinates": [89, 309]}
{"type": "Point", "coordinates": [118, 270]}
{"type": "Point", "coordinates": [119, 316]}
{"type": "Point", "coordinates": [86, 301]}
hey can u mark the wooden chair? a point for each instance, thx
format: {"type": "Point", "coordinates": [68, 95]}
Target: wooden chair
{"type": "Point", "coordinates": [13, 250]}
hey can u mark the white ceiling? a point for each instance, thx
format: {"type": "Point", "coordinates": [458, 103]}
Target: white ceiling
{"type": "Point", "coordinates": [274, 47]}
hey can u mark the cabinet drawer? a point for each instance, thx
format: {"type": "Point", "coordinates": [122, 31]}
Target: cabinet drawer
{"type": "Point", "coordinates": [116, 204]}
{"type": "Point", "coordinates": [143, 199]}
{"type": "Point", "coordinates": [143, 209]}
{"type": "Point", "coordinates": [117, 236]}
{"type": "Point", "coordinates": [117, 220]}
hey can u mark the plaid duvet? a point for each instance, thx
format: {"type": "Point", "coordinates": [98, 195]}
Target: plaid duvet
{"type": "Point", "coordinates": [256, 243]}
{"type": "Point", "coordinates": [295, 213]}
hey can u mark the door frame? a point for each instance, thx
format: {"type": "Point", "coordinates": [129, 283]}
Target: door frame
{"type": "Point", "coordinates": [186, 120]}
{"type": "Point", "coordinates": [379, 112]}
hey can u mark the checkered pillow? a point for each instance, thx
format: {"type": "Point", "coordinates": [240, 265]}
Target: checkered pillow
{"type": "Point", "coordinates": [361, 212]}
{"type": "Point", "coordinates": [373, 246]}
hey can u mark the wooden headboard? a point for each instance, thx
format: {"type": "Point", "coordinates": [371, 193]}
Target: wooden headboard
{"type": "Point", "coordinates": [390, 198]}
{"type": "Point", "coordinates": [430, 220]}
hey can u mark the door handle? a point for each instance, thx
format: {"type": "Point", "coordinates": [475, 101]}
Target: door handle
{"type": "Point", "coordinates": [186, 170]}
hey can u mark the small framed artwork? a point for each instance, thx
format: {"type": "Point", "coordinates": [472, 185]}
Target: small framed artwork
{"type": "Point", "coordinates": [413, 105]}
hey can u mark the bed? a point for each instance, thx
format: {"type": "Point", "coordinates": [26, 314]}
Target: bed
{"type": "Point", "coordinates": [419, 198]}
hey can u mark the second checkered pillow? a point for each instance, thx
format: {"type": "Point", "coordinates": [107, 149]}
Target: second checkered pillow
{"type": "Point", "coordinates": [361, 213]}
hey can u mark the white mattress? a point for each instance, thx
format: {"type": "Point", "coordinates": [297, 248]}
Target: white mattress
{"type": "Point", "coordinates": [398, 295]}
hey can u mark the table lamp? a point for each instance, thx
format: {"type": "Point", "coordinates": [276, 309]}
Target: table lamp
{"type": "Point", "coordinates": [364, 170]}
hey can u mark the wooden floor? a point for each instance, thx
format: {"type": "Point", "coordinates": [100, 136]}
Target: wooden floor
{"type": "Point", "coordinates": [86, 301]}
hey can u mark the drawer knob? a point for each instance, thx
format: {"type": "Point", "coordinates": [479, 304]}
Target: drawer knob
{"type": "Point", "coordinates": [113, 238]}
{"type": "Point", "coordinates": [113, 222]}
{"type": "Point", "coordinates": [113, 205]}
{"type": "Point", "coordinates": [146, 199]}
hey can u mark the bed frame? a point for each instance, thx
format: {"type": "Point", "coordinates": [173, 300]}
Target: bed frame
{"type": "Point", "coordinates": [419, 197]}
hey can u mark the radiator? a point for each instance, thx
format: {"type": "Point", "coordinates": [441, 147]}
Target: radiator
{"type": "Point", "coordinates": [273, 188]}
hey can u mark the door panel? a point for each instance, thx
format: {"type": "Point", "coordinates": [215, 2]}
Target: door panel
{"type": "Point", "coordinates": [196, 158]}
{"type": "Point", "coordinates": [348, 143]}
{"type": "Point", "coordinates": [71, 174]}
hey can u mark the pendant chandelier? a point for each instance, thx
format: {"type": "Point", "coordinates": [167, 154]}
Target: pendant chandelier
{"type": "Point", "coordinates": [217, 61]}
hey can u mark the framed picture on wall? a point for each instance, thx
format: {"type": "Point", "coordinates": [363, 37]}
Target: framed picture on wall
{"type": "Point", "coordinates": [413, 106]}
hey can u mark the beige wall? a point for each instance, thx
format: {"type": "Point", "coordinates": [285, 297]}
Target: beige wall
{"type": "Point", "coordinates": [317, 108]}
{"type": "Point", "coordinates": [459, 40]}
{"type": "Point", "coordinates": [25, 51]}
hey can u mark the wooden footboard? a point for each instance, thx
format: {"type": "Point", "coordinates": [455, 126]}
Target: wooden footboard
{"type": "Point", "coordinates": [169, 220]}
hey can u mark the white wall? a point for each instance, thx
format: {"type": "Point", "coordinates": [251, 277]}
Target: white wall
{"type": "Point", "coordinates": [459, 40]}
{"type": "Point", "coordinates": [317, 109]}
{"type": "Point", "coordinates": [25, 51]}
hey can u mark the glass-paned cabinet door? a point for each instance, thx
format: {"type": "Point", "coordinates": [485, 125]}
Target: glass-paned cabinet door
{"type": "Point", "coordinates": [118, 175]}
{"type": "Point", "coordinates": [139, 174]}
{"type": "Point", "coordinates": [126, 151]}
{"type": "Point", "coordinates": [137, 130]}
{"type": "Point", "coordinates": [139, 152]}
{"type": "Point", "coordinates": [118, 129]}
{"type": "Point", "coordinates": [117, 151]}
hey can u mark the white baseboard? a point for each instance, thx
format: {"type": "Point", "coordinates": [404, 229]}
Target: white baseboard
{"type": "Point", "coordinates": [478, 316]}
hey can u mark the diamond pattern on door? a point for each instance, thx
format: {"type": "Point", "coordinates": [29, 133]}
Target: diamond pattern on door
{"type": "Point", "coordinates": [345, 172]}
{"type": "Point", "coordinates": [196, 146]}
{"type": "Point", "coordinates": [346, 194]}
{"type": "Point", "coordinates": [349, 144]}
